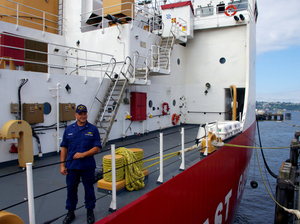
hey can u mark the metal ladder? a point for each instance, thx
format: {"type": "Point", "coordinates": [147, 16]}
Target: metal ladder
{"type": "Point", "coordinates": [140, 70]}
{"type": "Point", "coordinates": [166, 44]}
{"type": "Point", "coordinates": [112, 99]}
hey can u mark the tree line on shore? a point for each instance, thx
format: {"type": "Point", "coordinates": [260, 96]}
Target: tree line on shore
{"type": "Point", "coordinates": [261, 105]}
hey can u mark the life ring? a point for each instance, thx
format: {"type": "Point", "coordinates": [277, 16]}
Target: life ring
{"type": "Point", "coordinates": [175, 118]}
{"type": "Point", "coordinates": [229, 8]}
{"type": "Point", "coordinates": [165, 109]}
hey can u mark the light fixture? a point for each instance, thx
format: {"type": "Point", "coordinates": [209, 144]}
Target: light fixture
{"type": "Point", "coordinates": [207, 87]}
{"type": "Point", "coordinates": [242, 17]}
{"type": "Point", "coordinates": [113, 19]}
{"type": "Point", "coordinates": [68, 88]}
{"type": "Point", "coordinates": [236, 18]}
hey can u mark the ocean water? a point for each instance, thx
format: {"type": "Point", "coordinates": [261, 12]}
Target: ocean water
{"type": "Point", "coordinates": [257, 206]}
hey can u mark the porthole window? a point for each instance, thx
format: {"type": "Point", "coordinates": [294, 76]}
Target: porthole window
{"type": "Point", "coordinates": [222, 60]}
{"type": "Point", "coordinates": [47, 108]}
{"type": "Point", "coordinates": [150, 103]}
{"type": "Point", "coordinates": [174, 103]}
{"type": "Point", "coordinates": [178, 61]}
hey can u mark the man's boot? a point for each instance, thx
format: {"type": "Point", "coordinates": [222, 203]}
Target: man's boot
{"type": "Point", "coordinates": [70, 217]}
{"type": "Point", "coordinates": [90, 218]}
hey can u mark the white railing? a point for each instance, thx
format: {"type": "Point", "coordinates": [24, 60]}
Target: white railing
{"type": "Point", "coordinates": [113, 205]}
{"type": "Point", "coordinates": [210, 13]}
{"type": "Point", "coordinates": [179, 29]}
{"type": "Point", "coordinates": [140, 66]}
{"type": "Point", "coordinates": [129, 13]}
{"type": "Point", "coordinates": [31, 17]}
{"type": "Point", "coordinates": [59, 59]}
{"type": "Point", "coordinates": [160, 57]}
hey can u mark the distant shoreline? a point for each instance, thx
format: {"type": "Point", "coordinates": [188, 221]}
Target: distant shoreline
{"type": "Point", "coordinates": [283, 106]}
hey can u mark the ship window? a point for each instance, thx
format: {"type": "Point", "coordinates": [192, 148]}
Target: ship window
{"type": "Point", "coordinates": [178, 61]}
{"type": "Point", "coordinates": [222, 60]}
{"type": "Point", "coordinates": [240, 5]}
{"type": "Point", "coordinates": [150, 103]}
{"type": "Point", "coordinates": [204, 11]}
{"type": "Point", "coordinates": [36, 56]}
{"type": "Point", "coordinates": [221, 8]}
{"type": "Point", "coordinates": [47, 108]}
{"type": "Point", "coordinates": [174, 103]}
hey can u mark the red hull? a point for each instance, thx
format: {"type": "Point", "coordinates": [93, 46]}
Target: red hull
{"type": "Point", "coordinates": [208, 192]}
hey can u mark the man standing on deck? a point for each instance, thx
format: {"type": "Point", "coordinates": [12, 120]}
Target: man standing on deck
{"type": "Point", "coordinates": [80, 142]}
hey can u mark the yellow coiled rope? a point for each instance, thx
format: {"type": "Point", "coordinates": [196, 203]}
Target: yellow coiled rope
{"type": "Point", "coordinates": [134, 176]}
{"type": "Point", "coordinates": [120, 171]}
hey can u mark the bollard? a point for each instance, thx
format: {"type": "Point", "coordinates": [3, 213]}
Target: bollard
{"type": "Point", "coordinates": [294, 152]}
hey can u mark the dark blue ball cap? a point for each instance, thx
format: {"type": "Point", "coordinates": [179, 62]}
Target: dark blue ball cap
{"type": "Point", "coordinates": [81, 108]}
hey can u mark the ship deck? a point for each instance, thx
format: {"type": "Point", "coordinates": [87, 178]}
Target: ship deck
{"type": "Point", "coordinates": [50, 186]}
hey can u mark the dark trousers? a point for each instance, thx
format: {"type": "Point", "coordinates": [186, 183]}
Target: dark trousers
{"type": "Point", "coordinates": [73, 179]}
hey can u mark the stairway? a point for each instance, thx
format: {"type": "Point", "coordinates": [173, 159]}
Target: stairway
{"type": "Point", "coordinates": [112, 99]}
{"type": "Point", "coordinates": [161, 54]}
{"type": "Point", "coordinates": [140, 69]}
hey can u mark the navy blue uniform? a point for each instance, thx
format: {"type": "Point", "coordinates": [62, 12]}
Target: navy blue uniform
{"type": "Point", "coordinates": [80, 139]}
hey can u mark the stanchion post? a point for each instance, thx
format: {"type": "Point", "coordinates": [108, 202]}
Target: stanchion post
{"type": "Point", "coordinates": [206, 142]}
{"type": "Point", "coordinates": [161, 172]}
{"type": "Point", "coordinates": [182, 166]}
{"type": "Point", "coordinates": [113, 204]}
{"type": "Point", "coordinates": [30, 194]}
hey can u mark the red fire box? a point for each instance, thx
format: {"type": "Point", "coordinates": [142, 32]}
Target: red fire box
{"type": "Point", "coordinates": [138, 109]}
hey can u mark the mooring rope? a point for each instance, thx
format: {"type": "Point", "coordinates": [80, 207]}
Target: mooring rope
{"type": "Point", "coordinates": [292, 211]}
{"type": "Point", "coordinates": [254, 147]}
{"type": "Point", "coordinates": [134, 176]}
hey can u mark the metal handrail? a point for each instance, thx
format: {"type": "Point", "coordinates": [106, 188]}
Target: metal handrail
{"type": "Point", "coordinates": [215, 15]}
{"type": "Point", "coordinates": [145, 63]}
{"type": "Point", "coordinates": [117, 79]}
{"type": "Point", "coordinates": [59, 57]}
{"type": "Point", "coordinates": [112, 62]}
{"type": "Point", "coordinates": [35, 16]}
{"type": "Point", "coordinates": [134, 8]}
{"type": "Point", "coordinates": [155, 56]}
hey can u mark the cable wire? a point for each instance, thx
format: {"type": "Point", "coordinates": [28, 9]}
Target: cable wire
{"type": "Point", "coordinates": [263, 155]}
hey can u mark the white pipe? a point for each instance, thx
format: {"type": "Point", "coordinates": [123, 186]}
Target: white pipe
{"type": "Point", "coordinates": [44, 24]}
{"type": "Point", "coordinates": [147, 124]}
{"type": "Point", "coordinates": [57, 117]}
{"type": "Point", "coordinates": [17, 24]}
{"type": "Point", "coordinates": [125, 115]}
{"type": "Point", "coordinates": [182, 166]}
{"type": "Point", "coordinates": [30, 193]}
{"type": "Point", "coordinates": [161, 173]}
{"type": "Point", "coordinates": [206, 142]}
{"type": "Point", "coordinates": [85, 79]}
{"type": "Point", "coordinates": [113, 204]}
{"type": "Point", "coordinates": [149, 115]}
{"type": "Point", "coordinates": [218, 134]}
{"type": "Point", "coordinates": [124, 125]}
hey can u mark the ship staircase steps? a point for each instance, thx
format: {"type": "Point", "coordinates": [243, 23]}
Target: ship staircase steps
{"type": "Point", "coordinates": [139, 69]}
{"type": "Point", "coordinates": [166, 47]}
{"type": "Point", "coordinates": [161, 54]}
{"type": "Point", "coordinates": [112, 99]}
